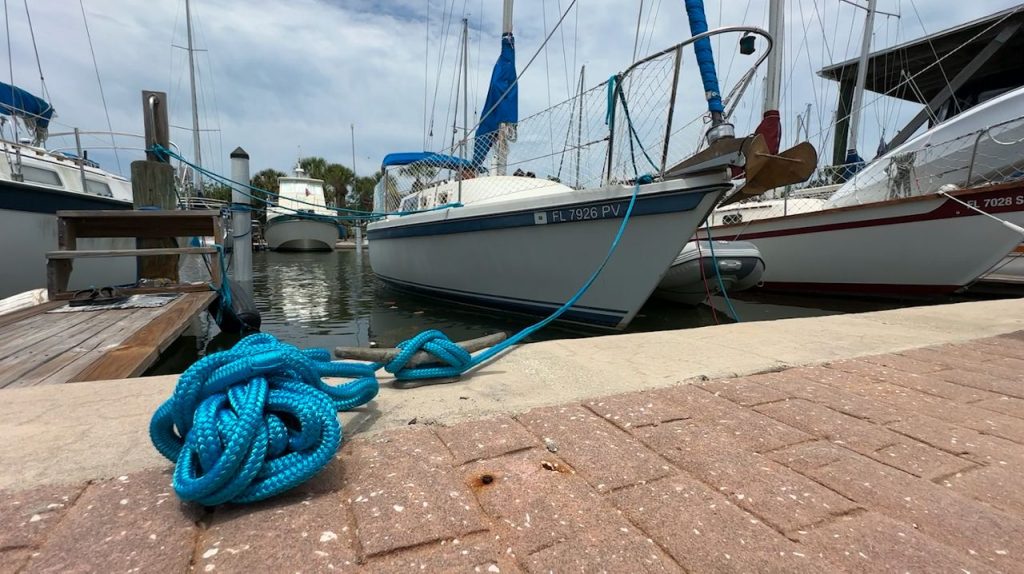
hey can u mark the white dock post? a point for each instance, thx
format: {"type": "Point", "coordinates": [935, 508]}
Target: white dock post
{"type": "Point", "coordinates": [241, 219]}
{"type": "Point", "coordinates": [359, 239]}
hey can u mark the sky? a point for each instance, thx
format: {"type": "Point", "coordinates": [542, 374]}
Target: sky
{"type": "Point", "coordinates": [285, 79]}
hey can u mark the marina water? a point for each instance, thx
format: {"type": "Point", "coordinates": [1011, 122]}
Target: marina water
{"type": "Point", "coordinates": [329, 299]}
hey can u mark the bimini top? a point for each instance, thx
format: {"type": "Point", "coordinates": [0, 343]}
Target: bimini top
{"type": "Point", "coordinates": [428, 158]}
{"type": "Point", "coordinates": [15, 101]}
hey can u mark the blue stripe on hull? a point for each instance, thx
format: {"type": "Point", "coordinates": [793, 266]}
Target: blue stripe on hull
{"type": "Point", "coordinates": [576, 314]}
{"type": "Point", "coordinates": [36, 199]}
{"type": "Point", "coordinates": [667, 202]}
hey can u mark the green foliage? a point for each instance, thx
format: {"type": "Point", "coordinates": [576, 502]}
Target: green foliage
{"type": "Point", "coordinates": [265, 180]}
{"type": "Point", "coordinates": [216, 190]}
{"type": "Point", "coordinates": [361, 195]}
{"type": "Point", "coordinates": [336, 177]}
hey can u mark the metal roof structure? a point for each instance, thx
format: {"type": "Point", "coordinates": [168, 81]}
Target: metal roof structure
{"type": "Point", "coordinates": [932, 61]}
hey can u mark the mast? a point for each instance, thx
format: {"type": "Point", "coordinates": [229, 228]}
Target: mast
{"type": "Point", "coordinates": [858, 90]}
{"type": "Point", "coordinates": [504, 134]}
{"type": "Point", "coordinates": [465, 84]}
{"type": "Point", "coordinates": [773, 87]}
{"type": "Point", "coordinates": [198, 177]}
{"type": "Point", "coordinates": [465, 97]}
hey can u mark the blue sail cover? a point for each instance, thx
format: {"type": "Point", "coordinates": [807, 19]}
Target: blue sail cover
{"type": "Point", "coordinates": [498, 109]}
{"type": "Point", "coordinates": [705, 56]}
{"type": "Point", "coordinates": [428, 158]}
{"type": "Point", "coordinates": [15, 101]}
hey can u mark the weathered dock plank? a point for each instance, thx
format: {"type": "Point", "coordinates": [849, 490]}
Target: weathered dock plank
{"type": "Point", "coordinates": [40, 348]}
{"type": "Point", "coordinates": [143, 347]}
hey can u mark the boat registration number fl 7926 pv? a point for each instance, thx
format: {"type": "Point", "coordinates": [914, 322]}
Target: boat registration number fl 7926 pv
{"type": "Point", "coordinates": [585, 213]}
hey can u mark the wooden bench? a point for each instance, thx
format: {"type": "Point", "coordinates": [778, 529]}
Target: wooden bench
{"type": "Point", "coordinates": [146, 224]}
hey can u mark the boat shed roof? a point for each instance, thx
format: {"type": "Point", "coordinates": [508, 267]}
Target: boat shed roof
{"type": "Point", "coordinates": [955, 48]}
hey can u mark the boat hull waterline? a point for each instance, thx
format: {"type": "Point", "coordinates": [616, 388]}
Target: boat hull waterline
{"type": "Point", "coordinates": [294, 234]}
{"type": "Point", "coordinates": [532, 255]}
{"type": "Point", "coordinates": [921, 246]}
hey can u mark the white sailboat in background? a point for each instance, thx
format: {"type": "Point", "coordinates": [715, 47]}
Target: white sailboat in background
{"type": "Point", "coordinates": [35, 183]}
{"type": "Point", "coordinates": [909, 224]}
{"type": "Point", "coordinates": [527, 244]}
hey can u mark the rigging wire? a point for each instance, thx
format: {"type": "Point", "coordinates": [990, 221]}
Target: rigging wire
{"type": "Point", "coordinates": [636, 37]}
{"type": "Point", "coordinates": [565, 57]}
{"type": "Point", "coordinates": [942, 69]}
{"type": "Point", "coordinates": [39, 64]}
{"type": "Point", "coordinates": [201, 35]}
{"type": "Point", "coordinates": [446, 21]}
{"type": "Point", "coordinates": [103, 98]}
{"type": "Point", "coordinates": [426, 74]}
{"type": "Point", "coordinates": [10, 61]}
{"type": "Point", "coordinates": [547, 76]}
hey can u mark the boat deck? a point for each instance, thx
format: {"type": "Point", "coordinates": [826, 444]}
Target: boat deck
{"type": "Point", "coordinates": [38, 347]}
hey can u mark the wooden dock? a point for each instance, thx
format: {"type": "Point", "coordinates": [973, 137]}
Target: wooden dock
{"type": "Point", "coordinates": [42, 348]}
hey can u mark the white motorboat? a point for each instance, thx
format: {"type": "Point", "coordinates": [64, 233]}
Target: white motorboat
{"type": "Point", "coordinates": [703, 268]}
{"type": "Point", "coordinates": [301, 220]}
{"type": "Point", "coordinates": [34, 185]}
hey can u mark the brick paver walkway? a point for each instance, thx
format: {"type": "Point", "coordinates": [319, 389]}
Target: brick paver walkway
{"type": "Point", "coordinates": [904, 462]}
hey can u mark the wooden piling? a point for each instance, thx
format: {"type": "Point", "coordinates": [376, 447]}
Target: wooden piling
{"type": "Point", "coordinates": [153, 186]}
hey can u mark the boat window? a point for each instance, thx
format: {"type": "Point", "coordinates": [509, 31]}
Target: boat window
{"type": "Point", "coordinates": [732, 218]}
{"type": "Point", "coordinates": [40, 175]}
{"type": "Point", "coordinates": [98, 188]}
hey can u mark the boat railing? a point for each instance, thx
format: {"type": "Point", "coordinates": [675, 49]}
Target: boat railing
{"type": "Point", "coordinates": [628, 125]}
{"type": "Point", "coordinates": [1008, 164]}
{"type": "Point", "coordinates": [987, 156]}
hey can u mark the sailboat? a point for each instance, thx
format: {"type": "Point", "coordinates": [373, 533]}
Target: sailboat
{"type": "Point", "coordinates": [527, 244]}
{"type": "Point", "coordinates": [36, 183]}
{"type": "Point", "coordinates": [933, 213]}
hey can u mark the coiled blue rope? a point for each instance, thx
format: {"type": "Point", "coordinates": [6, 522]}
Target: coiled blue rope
{"type": "Point", "coordinates": [256, 420]}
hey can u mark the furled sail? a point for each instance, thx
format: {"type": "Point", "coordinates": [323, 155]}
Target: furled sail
{"type": "Point", "coordinates": [705, 56]}
{"type": "Point", "coordinates": [502, 103]}
{"type": "Point", "coordinates": [34, 111]}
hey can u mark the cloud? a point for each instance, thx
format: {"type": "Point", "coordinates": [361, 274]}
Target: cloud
{"type": "Point", "coordinates": [278, 76]}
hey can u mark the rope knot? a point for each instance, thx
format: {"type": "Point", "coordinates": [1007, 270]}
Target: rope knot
{"type": "Point", "coordinates": [256, 420]}
{"type": "Point", "coordinates": [440, 347]}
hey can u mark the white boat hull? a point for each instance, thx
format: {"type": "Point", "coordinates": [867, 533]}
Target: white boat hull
{"type": "Point", "coordinates": [293, 234]}
{"type": "Point", "coordinates": [28, 229]}
{"type": "Point", "coordinates": [692, 274]}
{"type": "Point", "coordinates": [531, 255]}
{"type": "Point", "coordinates": [926, 245]}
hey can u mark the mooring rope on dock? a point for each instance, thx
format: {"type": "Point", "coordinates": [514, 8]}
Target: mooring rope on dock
{"type": "Point", "coordinates": [256, 420]}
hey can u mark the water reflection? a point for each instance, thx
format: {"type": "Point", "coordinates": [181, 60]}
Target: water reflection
{"type": "Point", "coordinates": [331, 299]}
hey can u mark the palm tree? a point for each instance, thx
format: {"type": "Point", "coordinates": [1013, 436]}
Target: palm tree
{"type": "Point", "coordinates": [315, 167]}
{"type": "Point", "coordinates": [265, 180]}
